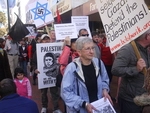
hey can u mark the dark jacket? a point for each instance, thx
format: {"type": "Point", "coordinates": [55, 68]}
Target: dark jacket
{"type": "Point", "coordinates": [21, 52]}
{"type": "Point", "coordinates": [125, 66]}
{"type": "Point", "coordinates": [16, 104]}
{"type": "Point", "coordinates": [4, 66]}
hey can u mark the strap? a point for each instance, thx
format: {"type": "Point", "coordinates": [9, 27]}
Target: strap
{"type": "Point", "coordinates": [99, 65]}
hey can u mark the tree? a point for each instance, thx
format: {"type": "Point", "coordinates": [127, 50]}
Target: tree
{"type": "Point", "coordinates": [2, 18]}
{"type": "Point", "coordinates": [2, 24]}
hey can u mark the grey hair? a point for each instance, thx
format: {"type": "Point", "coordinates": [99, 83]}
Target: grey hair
{"type": "Point", "coordinates": [81, 41]}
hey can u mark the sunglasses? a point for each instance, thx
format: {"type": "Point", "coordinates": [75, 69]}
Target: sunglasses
{"type": "Point", "coordinates": [85, 35]}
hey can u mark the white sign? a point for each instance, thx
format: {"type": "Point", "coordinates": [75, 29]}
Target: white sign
{"type": "Point", "coordinates": [81, 22]}
{"type": "Point", "coordinates": [64, 30]}
{"type": "Point", "coordinates": [39, 13]}
{"type": "Point", "coordinates": [103, 106]}
{"type": "Point", "coordinates": [123, 20]}
{"type": "Point", "coordinates": [47, 55]}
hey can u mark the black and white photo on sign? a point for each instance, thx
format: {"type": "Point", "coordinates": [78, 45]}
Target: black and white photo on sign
{"type": "Point", "coordinates": [47, 62]}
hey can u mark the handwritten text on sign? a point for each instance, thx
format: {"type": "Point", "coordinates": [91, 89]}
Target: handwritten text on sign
{"type": "Point", "coordinates": [123, 20]}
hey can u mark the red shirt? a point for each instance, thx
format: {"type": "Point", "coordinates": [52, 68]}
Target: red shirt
{"type": "Point", "coordinates": [106, 55]}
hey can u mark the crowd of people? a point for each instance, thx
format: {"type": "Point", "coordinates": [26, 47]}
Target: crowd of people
{"type": "Point", "coordinates": [86, 66]}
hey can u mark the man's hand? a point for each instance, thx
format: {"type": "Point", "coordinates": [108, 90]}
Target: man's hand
{"type": "Point", "coordinates": [36, 71]}
{"type": "Point", "coordinates": [140, 64]}
{"type": "Point", "coordinates": [68, 41]}
{"type": "Point", "coordinates": [89, 107]}
{"type": "Point", "coordinates": [107, 96]}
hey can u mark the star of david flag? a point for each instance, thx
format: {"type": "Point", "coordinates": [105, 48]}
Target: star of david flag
{"type": "Point", "coordinates": [41, 13]}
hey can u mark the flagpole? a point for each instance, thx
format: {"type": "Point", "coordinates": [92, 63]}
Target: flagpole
{"type": "Point", "coordinates": [8, 15]}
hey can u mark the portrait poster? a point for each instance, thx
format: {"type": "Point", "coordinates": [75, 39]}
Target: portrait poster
{"type": "Point", "coordinates": [123, 20]}
{"type": "Point", "coordinates": [81, 22]}
{"type": "Point", "coordinates": [47, 63]}
{"type": "Point", "coordinates": [64, 30]}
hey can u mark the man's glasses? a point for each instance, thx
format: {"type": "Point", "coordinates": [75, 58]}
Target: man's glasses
{"type": "Point", "coordinates": [85, 35]}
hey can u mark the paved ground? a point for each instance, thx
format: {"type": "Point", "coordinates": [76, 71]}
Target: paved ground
{"type": "Point", "coordinates": [37, 96]}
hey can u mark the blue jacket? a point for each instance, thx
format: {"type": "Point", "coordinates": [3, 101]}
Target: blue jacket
{"type": "Point", "coordinates": [73, 79]}
{"type": "Point", "coordinates": [16, 104]}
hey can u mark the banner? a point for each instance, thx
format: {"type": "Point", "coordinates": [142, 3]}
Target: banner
{"type": "Point", "coordinates": [18, 30]}
{"type": "Point", "coordinates": [32, 29]}
{"type": "Point", "coordinates": [47, 62]}
{"type": "Point", "coordinates": [64, 30]}
{"type": "Point", "coordinates": [123, 20]}
{"type": "Point", "coordinates": [81, 22]}
{"type": "Point", "coordinates": [39, 13]}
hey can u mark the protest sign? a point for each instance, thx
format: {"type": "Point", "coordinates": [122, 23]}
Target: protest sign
{"type": "Point", "coordinates": [64, 30]}
{"type": "Point", "coordinates": [103, 106]}
{"type": "Point", "coordinates": [81, 22]}
{"type": "Point", "coordinates": [123, 20]}
{"type": "Point", "coordinates": [47, 55]}
{"type": "Point", "coordinates": [39, 13]}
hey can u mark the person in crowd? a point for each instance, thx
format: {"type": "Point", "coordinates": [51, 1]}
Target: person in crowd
{"type": "Point", "coordinates": [22, 83]}
{"type": "Point", "coordinates": [106, 56]}
{"type": "Point", "coordinates": [83, 32]}
{"type": "Point", "coordinates": [12, 49]}
{"type": "Point", "coordinates": [95, 37]}
{"type": "Point", "coordinates": [4, 63]}
{"type": "Point", "coordinates": [33, 46]}
{"type": "Point", "coordinates": [23, 56]}
{"type": "Point", "coordinates": [85, 79]}
{"type": "Point", "coordinates": [53, 90]}
{"type": "Point", "coordinates": [30, 54]}
{"type": "Point", "coordinates": [68, 53]}
{"type": "Point", "coordinates": [34, 41]}
{"type": "Point", "coordinates": [11, 102]}
{"type": "Point", "coordinates": [129, 68]}
{"type": "Point", "coordinates": [52, 36]}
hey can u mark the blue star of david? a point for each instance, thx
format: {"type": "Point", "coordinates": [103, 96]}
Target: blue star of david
{"type": "Point", "coordinates": [40, 11]}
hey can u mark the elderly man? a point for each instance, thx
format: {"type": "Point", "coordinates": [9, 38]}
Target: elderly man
{"type": "Point", "coordinates": [127, 66]}
{"type": "Point", "coordinates": [85, 79]}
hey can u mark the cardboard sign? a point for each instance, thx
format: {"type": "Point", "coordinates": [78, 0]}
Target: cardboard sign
{"type": "Point", "coordinates": [64, 30]}
{"type": "Point", "coordinates": [47, 62]}
{"type": "Point", "coordinates": [123, 20]}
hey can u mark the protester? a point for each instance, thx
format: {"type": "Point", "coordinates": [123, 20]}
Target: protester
{"type": "Point", "coordinates": [83, 32]}
{"type": "Point", "coordinates": [4, 63]}
{"type": "Point", "coordinates": [11, 102]}
{"type": "Point", "coordinates": [95, 37]}
{"type": "Point", "coordinates": [33, 44]}
{"type": "Point", "coordinates": [85, 79]}
{"type": "Point", "coordinates": [106, 56]}
{"type": "Point", "coordinates": [53, 90]}
{"type": "Point", "coordinates": [127, 66]}
{"type": "Point", "coordinates": [23, 56]}
{"type": "Point", "coordinates": [52, 36]}
{"type": "Point", "coordinates": [12, 49]}
{"type": "Point", "coordinates": [68, 53]}
{"type": "Point", "coordinates": [22, 83]}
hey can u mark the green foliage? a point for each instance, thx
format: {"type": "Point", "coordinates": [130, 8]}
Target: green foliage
{"type": "Point", "coordinates": [2, 32]}
{"type": "Point", "coordinates": [2, 18]}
